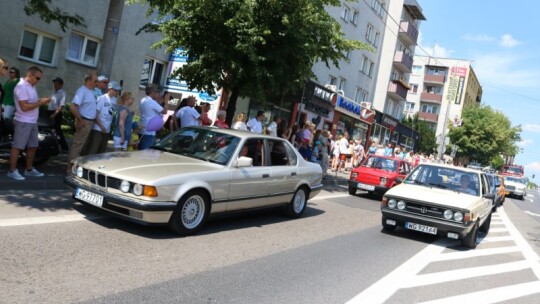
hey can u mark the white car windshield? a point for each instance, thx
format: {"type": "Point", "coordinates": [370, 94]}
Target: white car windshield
{"type": "Point", "coordinates": [445, 178]}
{"type": "Point", "coordinates": [202, 144]}
{"type": "Point", "coordinates": [515, 180]}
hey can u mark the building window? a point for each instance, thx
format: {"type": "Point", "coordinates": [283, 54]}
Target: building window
{"type": "Point", "coordinates": [416, 69]}
{"type": "Point", "coordinates": [333, 80]}
{"type": "Point", "coordinates": [414, 88]}
{"type": "Point", "coordinates": [152, 72]}
{"type": "Point", "coordinates": [83, 49]}
{"type": "Point", "coordinates": [345, 13]}
{"type": "Point", "coordinates": [360, 95]}
{"type": "Point", "coordinates": [432, 89]}
{"type": "Point", "coordinates": [430, 109]}
{"type": "Point", "coordinates": [342, 82]}
{"type": "Point", "coordinates": [38, 47]}
{"type": "Point", "coordinates": [367, 67]}
{"type": "Point", "coordinates": [409, 106]}
{"type": "Point", "coordinates": [372, 36]}
{"type": "Point", "coordinates": [436, 71]}
{"type": "Point", "coordinates": [354, 17]}
{"type": "Point", "coordinates": [378, 7]}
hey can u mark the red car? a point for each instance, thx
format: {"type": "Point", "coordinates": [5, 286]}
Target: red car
{"type": "Point", "coordinates": [377, 174]}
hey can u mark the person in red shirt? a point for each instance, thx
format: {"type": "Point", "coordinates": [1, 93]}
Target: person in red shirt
{"type": "Point", "coordinates": [220, 120]}
{"type": "Point", "coordinates": [205, 107]}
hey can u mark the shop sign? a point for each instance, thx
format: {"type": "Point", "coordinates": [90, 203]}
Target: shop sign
{"type": "Point", "coordinates": [354, 109]}
{"type": "Point", "coordinates": [389, 122]}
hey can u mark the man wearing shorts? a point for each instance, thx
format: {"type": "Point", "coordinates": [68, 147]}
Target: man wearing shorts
{"type": "Point", "coordinates": [27, 105]}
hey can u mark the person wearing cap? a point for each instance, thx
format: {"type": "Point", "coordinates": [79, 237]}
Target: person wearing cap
{"type": "Point", "coordinates": [83, 109]}
{"type": "Point", "coordinates": [123, 122]}
{"type": "Point", "coordinates": [149, 107]}
{"type": "Point", "coordinates": [58, 100]}
{"type": "Point", "coordinates": [99, 136]}
{"type": "Point", "coordinates": [255, 124]}
{"type": "Point", "coordinates": [8, 101]}
{"type": "Point", "coordinates": [101, 86]}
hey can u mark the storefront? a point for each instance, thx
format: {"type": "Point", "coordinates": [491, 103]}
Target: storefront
{"type": "Point", "coordinates": [351, 117]}
{"type": "Point", "coordinates": [388, 129]}
{"type": "Point", "coordinates": [316, 107]}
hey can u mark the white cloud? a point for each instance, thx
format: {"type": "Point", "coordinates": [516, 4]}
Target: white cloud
{"type": "Point", "coordinates": [435, 51]}
{"type": "Point", "coordinates": [532, 168]}
{"type": "Point", "coordinates": [517, 74]}
{"type": "Point", "coordinates": [524, 143]}
{"type": "Point", "coordinates": [508, 41]}
{"type": "Point", "coordinates": [531, 128]}
{"type": "Point", "coordinates": [480, 38]}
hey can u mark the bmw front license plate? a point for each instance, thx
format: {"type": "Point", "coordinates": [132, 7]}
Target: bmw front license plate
{"type": "Point", "coordinates": [89, 197]}
{"type": "Point", "coordinates": [421, 228]}
{"type": "Point", "coordinates": [366, 187]}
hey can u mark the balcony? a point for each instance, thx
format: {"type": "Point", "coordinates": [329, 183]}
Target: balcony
{"type": "Point", "coordinates": [431, 97]}
{"type": "Point", "coordinates": [403, 61]}
{"type": "Point", "coordinates": [397, 90]}
{"type": "Point", "coordinates": [408, 33]}
{"type": "Point", "coordinates": [429, 117]}
{"type": "Point", "coordinates": [435, 79]}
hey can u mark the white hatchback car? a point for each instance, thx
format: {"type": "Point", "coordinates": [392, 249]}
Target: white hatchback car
{"type": "Point", "coordinates": [194, 173]}
{"type": "Point", "coordinates": [440, 200]}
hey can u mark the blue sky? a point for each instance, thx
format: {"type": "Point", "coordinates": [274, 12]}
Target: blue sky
{"type": "Point", "coordinates": [503, 41]}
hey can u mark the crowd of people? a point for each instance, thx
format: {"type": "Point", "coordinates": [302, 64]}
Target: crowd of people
{"type": "Point", "coordinates": [100, 114]}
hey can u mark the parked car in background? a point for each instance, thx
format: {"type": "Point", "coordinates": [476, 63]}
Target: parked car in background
{"type": "Point", "coordinates": [516, 186]}
{"type": "Point", "coordinates": [440, 200]}
{"type": "Point", "coordinates": [194, 173]}
{"type": "Point", "coordinates": [377, 174]}
{"type": "Point", "coordinates": [497, 188]}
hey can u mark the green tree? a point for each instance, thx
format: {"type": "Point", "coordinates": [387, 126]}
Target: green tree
{"type": "Point", "coordinates": [497, 162]}
{"type": "Point", "coordinates": [49, 14]}
{"type": "Point", "coordinates": [484, 134]}
{"type": "Point", "coordinates": [427, 142]}
{"type": "Point", "coordinates": [249, 47]}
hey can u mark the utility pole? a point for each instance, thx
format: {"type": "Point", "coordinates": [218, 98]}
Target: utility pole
{"type": "Point", "coordinates": [110, 36]}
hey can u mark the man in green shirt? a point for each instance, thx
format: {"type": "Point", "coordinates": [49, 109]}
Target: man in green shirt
{"type": "Point", "coordinates": [8, 102]}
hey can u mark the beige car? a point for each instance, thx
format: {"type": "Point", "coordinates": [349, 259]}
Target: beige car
{"type": "Point", "coordinates": [195, 173]}
{"type": "Point", "coordinates": [441, 200]}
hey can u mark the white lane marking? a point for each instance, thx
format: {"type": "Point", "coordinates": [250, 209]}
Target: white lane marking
{"type": "Point", "coordinates": [381, 290]}
{"type": "Point", "coordinates": [474, 253]}
{"type": "Point", "coordinates": [498, 229]}
{"type": "Point", "coordinates": [45, 220]}
{"type": "Point", "coordinates": [529, 253]}
{"type": "Point", "coordinates": [495, 295]}
{"type": "Point", "coordinates": [466, 273]}
{"type": "Point", "coordinates": [323, 197]}
{"type": "Point", "coordinates": [532, 213]}
{"type": "Point", "coordinates": [492, 239]}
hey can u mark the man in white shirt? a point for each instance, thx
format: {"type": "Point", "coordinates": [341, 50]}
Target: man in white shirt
{"type": "Point", "coordinates": [83, 108]}
{"type": "Point", "coordinates": [188, 115]}
{"type": "Point", "coordinates": [58, 101]}
{"type": "Point", "coordinates": [273, 126]}
{"type": "Point", "coordinates": [254, 124]}
{"type": "Point", "coordinates": [149, 108]}
{"type": "Point", "coordinates": [99, 136]}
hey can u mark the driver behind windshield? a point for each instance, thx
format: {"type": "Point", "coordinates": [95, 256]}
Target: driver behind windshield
{"type": "Point", "coordinates": [465, 181]}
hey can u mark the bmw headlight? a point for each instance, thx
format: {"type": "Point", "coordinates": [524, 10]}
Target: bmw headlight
{"type": "Point", "coordinates": [79, 171]}
{"type": "Point", "coordinates": [124, 186]}
{"type": "Point", "coordinates": [138, 189]}
{"type": "Point", "coordinates": [448, 214]}
{"type": "Point", "coordinates": [458, 216]}
{"type": "Point", "coordinates": [401, 205]}
{"type": "Point", "coordinates": [392, 203]}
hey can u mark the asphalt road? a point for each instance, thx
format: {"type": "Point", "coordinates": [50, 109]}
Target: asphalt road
{"type": "Point", "coordinates": [57, 251]}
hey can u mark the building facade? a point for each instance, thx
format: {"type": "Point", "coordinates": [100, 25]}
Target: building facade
{"type": "Point", "coordinates": [440, 89]}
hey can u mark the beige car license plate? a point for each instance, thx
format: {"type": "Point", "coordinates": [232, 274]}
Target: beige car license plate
{"type": "Point", "coordinates": [421, 228]}
{"type": "Point", "coordinates": [89, 197]}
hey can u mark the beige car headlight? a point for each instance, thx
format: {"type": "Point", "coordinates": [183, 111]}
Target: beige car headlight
{"type": "Point", "coordinates": [124, 186]}
{"type": "Point", "coordinates": [392, 203]}
{"type": "Point", "coordinates": [138, 189]}
{"type": "Point", "coordinates": [448, 214]}
{"type": "Point", "coordinates": [458, 216]}
{"type": "Point", "coordinates": [401, 205]}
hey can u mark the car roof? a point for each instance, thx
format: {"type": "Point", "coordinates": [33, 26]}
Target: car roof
{"type": "Point", "coordinates": [452, 167]}
{"type": "Point", "coordinates": [238, 133]}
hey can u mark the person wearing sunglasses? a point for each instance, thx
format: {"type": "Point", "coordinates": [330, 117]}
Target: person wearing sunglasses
{"type": "Point", "coordinates": [25, 135]}
{"type": "Point", "coordinates": [8, 101]}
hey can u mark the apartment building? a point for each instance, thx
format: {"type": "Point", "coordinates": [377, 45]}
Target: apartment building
{"type": "Point", "coordinates": [440, 89]}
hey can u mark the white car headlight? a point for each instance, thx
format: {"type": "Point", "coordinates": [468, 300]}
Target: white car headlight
{"type": "Point", "coordinates": [392, 203]}
{"type": "Point", "coordinates": [124, 186]}
{"type": "Point", "coordinates": [79, 171]}
{"type": "Point", "coordinates": [138, 189]}
{"type": "Point", "coordinates": [401, 205]}
{"type": "Point", "coordinates": [448, 214]}
{"type": "Point", "coordinates": [458, 216]}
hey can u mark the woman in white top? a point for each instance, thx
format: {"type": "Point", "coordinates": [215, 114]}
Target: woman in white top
{"type": "Point", "coordinates": [239, 122]}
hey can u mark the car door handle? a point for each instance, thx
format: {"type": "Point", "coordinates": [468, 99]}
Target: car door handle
{"type": "Point", "coordinates": [293, 174]}
{"type": "Point", "coordinates": [266, 175]}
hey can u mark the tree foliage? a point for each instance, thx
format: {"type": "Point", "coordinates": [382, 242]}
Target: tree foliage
{"type": "Point", "coordinates": [484, 134]}
{"type": "Point", "coordinates": [49, 14]}
{"type": "Point", "coordinates": [249, 47]}
{"type": "Point", "coordinates": [427, 142]}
